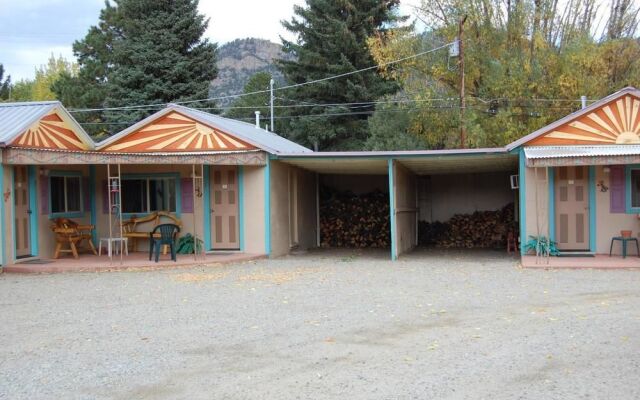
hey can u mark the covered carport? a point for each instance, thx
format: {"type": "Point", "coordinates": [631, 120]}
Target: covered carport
{"type": "Point", "coordinates": [458, 180]}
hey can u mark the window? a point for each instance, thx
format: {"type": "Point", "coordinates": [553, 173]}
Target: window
{"type": "Point", "coordinates": [634, 187]}
{"type": "Point", "coordinates": [148, 194]}
{"type": "Point", "coordinates": [66, 193]}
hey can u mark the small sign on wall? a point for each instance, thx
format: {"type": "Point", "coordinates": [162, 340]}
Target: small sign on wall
{"type": "Point", "coordinates": [515, 181]}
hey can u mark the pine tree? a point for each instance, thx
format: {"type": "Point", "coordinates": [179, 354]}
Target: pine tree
{"type": "Point", "coordinates": [141, 52]}
{"type": "Point", "coordinates": [5, 85]}
{"type": "Point", "coordinates": [244, 107]}
{"type": "Point", "coordinates": [332, 39]}
{"type": "Point", "coordinates": [160, 57]}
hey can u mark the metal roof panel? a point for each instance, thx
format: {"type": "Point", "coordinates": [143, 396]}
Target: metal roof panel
{"type": "Point", "coordinates": [540, 152]}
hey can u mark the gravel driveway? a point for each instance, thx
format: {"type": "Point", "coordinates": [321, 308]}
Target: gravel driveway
{"type": "Point", "coordinates": [340, 325]}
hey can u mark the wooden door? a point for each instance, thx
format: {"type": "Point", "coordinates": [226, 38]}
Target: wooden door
{"type": "Point", "coordinates": [572, 208]}
{"type": "Point", "coordinates": [22, 211]}
{"type": "Point", "coordinates": [225, 225]}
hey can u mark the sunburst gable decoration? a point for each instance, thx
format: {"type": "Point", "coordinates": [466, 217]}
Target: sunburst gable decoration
{"type": "Point", "coordinates": [617, 122]}
{"type": "Point", "coordinates": [174, 133]}
{"type": "Point", "coordinates": [50, 132]}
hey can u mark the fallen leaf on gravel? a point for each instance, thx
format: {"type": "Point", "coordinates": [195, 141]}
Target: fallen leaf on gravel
{"type": "Point", "coordinates": [329, 340]}
{"type": "Point", "coordinates": [191, 277]}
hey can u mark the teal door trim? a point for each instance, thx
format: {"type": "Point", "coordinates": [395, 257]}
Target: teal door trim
{"type": "Point", "coordinates": [522, 190]}
{"type": "Point", "coordinates": [13, 211]}
{"type": "Point", "coordinates": [241, 205]}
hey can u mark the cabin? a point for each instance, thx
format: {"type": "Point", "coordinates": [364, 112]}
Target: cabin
{"type": "Point", "coordinates": [243, 192]}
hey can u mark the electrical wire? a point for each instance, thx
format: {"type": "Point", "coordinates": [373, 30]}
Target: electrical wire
{"type": "Point", "coordinates": [296, 85]}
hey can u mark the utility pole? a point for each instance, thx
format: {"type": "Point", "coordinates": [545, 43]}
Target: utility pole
{"type": "Point", "coordinates": [463, 130]}
{"type": "Point", "coordinates": [271, 97]}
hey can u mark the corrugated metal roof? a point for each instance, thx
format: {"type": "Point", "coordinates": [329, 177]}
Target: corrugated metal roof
{"type": "Point", "coordinates": [260, 138]}
{"type": "Point", "coordinates": [539, 152]}
{"type": "Point", "coordinates": [16, 117]}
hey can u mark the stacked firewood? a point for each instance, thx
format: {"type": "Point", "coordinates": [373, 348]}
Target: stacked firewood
{"type": "Point", "coordinates": [482, 229]}
{"type": "Point", "coordinates": [350, 220]}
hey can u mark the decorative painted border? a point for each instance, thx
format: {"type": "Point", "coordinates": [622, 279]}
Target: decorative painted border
{"type": "Point", "coordinates": [22, 156]}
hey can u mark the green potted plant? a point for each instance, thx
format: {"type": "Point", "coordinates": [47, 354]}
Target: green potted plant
{"type": "Point", "coordinates": [541, 244]}
{"type": "Point", "coordinates": [187, 244]}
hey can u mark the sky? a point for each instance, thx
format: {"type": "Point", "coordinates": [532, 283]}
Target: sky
{"type": "Point", "coordinates": [32, 30]}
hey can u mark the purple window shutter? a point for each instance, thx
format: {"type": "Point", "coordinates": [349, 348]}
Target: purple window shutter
{"type": "Point", "coordinates": [105, 197]}
{"type": "Point", "coordinates": [186, 192]}
{"type": "Point", "coordinates": [617, 189]}
{"type": "Point", "coordinates": [86, 193]}
{"type": "Point", "coordinates": [44, 195]}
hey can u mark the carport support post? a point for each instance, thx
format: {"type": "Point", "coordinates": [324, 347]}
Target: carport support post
{"type": "Point", "coordinates": [522, 185]}
{"type": "Point", "coordinates": [392, 210]}
{"type": "Point", "coordinates": [3, 240]}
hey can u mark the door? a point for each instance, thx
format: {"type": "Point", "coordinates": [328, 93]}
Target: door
{"type": "Point", "coordinates": [224, 208]}
{"type": "Point", "coordinates": [572, 208]}
{"type": "Point", "coordinates": [22, 212]}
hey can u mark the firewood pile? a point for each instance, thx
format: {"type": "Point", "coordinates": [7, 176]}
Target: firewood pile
{"type": "Point", "coordinates": [350, 220]}
{"type": "Point", "coordinates": [482, 229]}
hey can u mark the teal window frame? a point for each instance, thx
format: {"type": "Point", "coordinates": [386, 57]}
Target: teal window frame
{"type": "Point", "coordinates": [164, 175]}
{"type": "Point", "coordinates": [630, 209]}
{"type": "Point", "coordinates": [66, 214]}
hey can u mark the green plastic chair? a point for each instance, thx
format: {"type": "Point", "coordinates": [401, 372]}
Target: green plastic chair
{"type": "Point", "coordinates": [168, 234]}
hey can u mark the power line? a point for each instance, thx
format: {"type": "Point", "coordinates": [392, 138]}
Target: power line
{"type": "Point", "coordinates": [267, 90]}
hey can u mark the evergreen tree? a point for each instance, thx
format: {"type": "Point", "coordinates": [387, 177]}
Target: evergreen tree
{"type": "Point", "coordinates": [160, 57]}
{"type": "Point", "coordinates": [332, 39]}
{"type": "Point", "coordinates": [141, 52]}
{"type": "Point", "coordinates": [244, 108]}
{"type": "Point", "coordinates": [5, 84]}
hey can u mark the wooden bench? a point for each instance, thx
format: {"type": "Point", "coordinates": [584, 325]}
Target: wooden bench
{"type": "Point", "coordinates": [71, 233]}
{"type": "Point", "coordinates": [130, 227]}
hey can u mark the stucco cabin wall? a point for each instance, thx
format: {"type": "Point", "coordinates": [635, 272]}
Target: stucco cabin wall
{"type": "Point", "coordinates": [280, 208]}
{"type": "Point", "coordinates": [186, 218]}
{"type": "Point", "coordinates": [254, 209]}
{"type": "Point", "coordinates": [46, 238]}
{"type": "Point", "coordinates": [536, 217]}
{"type": "Point", "coordinates": [610, 224]}
{"type": "Point", "coordinates": [443, 196]}
{"type": "Point", "coordinates": [405, 198]}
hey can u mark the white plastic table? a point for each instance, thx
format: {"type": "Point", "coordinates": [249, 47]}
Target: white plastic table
{"type": "Point", "coordinates": [110, 245]}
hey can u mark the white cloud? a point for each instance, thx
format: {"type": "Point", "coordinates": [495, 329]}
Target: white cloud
{"type": "Point", "coordinates": [30, 30]}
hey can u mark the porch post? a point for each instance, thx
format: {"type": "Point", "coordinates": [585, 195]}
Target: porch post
{"type": "Point", "coordinates": [551, 173]}
{"type": "Point", "coordinates": [392, 210]}
{"type": "Point", "coordinates": [241, 205]}
{"type": "Point", "coordinates": [267, 207]}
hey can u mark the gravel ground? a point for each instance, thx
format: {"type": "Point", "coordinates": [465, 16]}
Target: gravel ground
{"type": "Point", "coordinates": [324, 326]}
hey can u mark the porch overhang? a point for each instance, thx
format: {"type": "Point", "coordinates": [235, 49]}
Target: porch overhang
{"type": "Point", "coordinates": [28, 156]}
{"type": "Point", "coordinates": [558, 156]}
{"type": "Point", "coordinates": [420, 162]}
